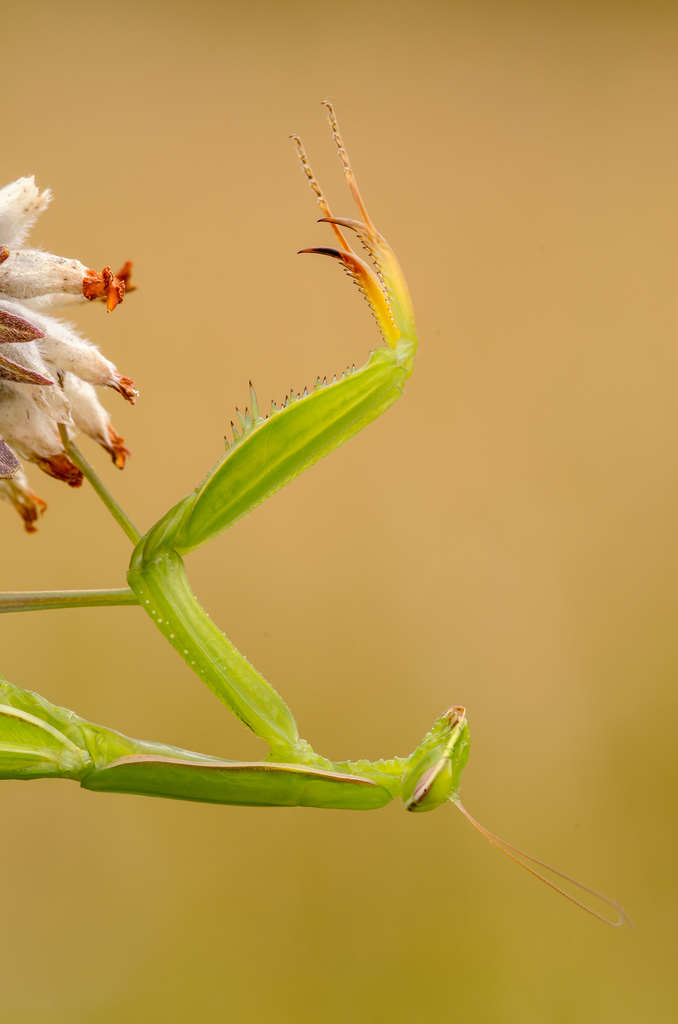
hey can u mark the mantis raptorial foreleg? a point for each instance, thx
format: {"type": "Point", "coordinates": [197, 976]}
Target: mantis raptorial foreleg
{"type": "Point", "coordinates": [38, 739]}
{"type": "Point", "coordinates": [270, 452]}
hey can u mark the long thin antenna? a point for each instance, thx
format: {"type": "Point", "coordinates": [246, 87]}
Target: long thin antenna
{"type": "Point", "coordinates": [348, 170]}
{"type": "Point", "coordinates": [505, 847]}
{"type": "Point", "coordinates": [320, 195]}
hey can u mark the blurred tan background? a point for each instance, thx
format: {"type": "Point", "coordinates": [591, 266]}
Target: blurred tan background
{"type": "Point", "coordinates": [504, 538]}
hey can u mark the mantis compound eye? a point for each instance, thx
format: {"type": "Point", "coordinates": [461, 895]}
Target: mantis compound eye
{"type": "Point", "coordinates": [430, 783]}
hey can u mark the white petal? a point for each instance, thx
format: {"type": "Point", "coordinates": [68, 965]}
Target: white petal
{"type": "Point", "coordinates": [32, 433]}
{"type": "Point", "coordinates": [64, 350]}
{"type": "Point", "coordinates": [27, 273]}
{"type": "Point", "coordinates": [26, 428]}
{"type": "Point", "coordinates": [20, 206]}
{"type": "Point", "coordinates": [44, 303]}
{"type": "Point", "coordinates": [28, 355]}
{"type": "Point", "coordinates": [91, 418]}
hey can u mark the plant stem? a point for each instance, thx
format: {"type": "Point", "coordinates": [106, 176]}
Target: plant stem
{"type": "Point", "coordinates": [46, 599]}
{"type": "Point", "coordinates": [109, 501]}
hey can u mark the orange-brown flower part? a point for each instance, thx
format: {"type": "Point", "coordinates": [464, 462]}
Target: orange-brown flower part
{"type": "Point", "coordinates": [27, 503]}
{"type": "Point", "coordinates": [107, 285]}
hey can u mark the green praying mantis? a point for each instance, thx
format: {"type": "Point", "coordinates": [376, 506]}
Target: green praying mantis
{"type": "Point", "coordinates": [41, 740]}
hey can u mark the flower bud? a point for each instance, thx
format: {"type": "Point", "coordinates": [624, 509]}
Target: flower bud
{"type": "Point", "coordinates": [27, 503]}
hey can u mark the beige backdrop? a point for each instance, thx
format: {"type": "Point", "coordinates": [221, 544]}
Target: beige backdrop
{"type": "Point", "coordinates": [504, 538]}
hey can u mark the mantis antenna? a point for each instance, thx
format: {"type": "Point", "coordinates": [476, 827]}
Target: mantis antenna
{"type": "Point", "coordinates": [515, 854]}
{"type": "Point", "coordinates": [320, 195]}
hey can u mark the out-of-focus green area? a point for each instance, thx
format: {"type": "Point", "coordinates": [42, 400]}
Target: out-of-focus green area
{"type": "Point", "coordinates": [505, 538]}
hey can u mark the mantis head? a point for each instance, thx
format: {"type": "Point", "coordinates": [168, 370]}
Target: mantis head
{"type": "Point", "coordinates": [439, 762]}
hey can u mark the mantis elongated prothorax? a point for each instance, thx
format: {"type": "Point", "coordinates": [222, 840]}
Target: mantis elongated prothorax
{"type": "Point", "coordinates": [39, 739]}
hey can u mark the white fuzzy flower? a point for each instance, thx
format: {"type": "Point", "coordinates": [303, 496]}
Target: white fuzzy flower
{"type": "Point", "coordinates": [47, 370]}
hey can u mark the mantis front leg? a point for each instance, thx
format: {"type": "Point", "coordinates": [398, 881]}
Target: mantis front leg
{"type": "Point", "coordinates": [270, 452]}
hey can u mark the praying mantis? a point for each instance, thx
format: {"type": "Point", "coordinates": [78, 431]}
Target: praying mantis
{"type": "Point", "coordinates": [41, 740]}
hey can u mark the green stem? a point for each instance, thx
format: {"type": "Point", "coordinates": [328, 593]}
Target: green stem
{"type": "Point", "coordinates": [109, 501]}
{"type": "Point", "coordinates": [46, 599]}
